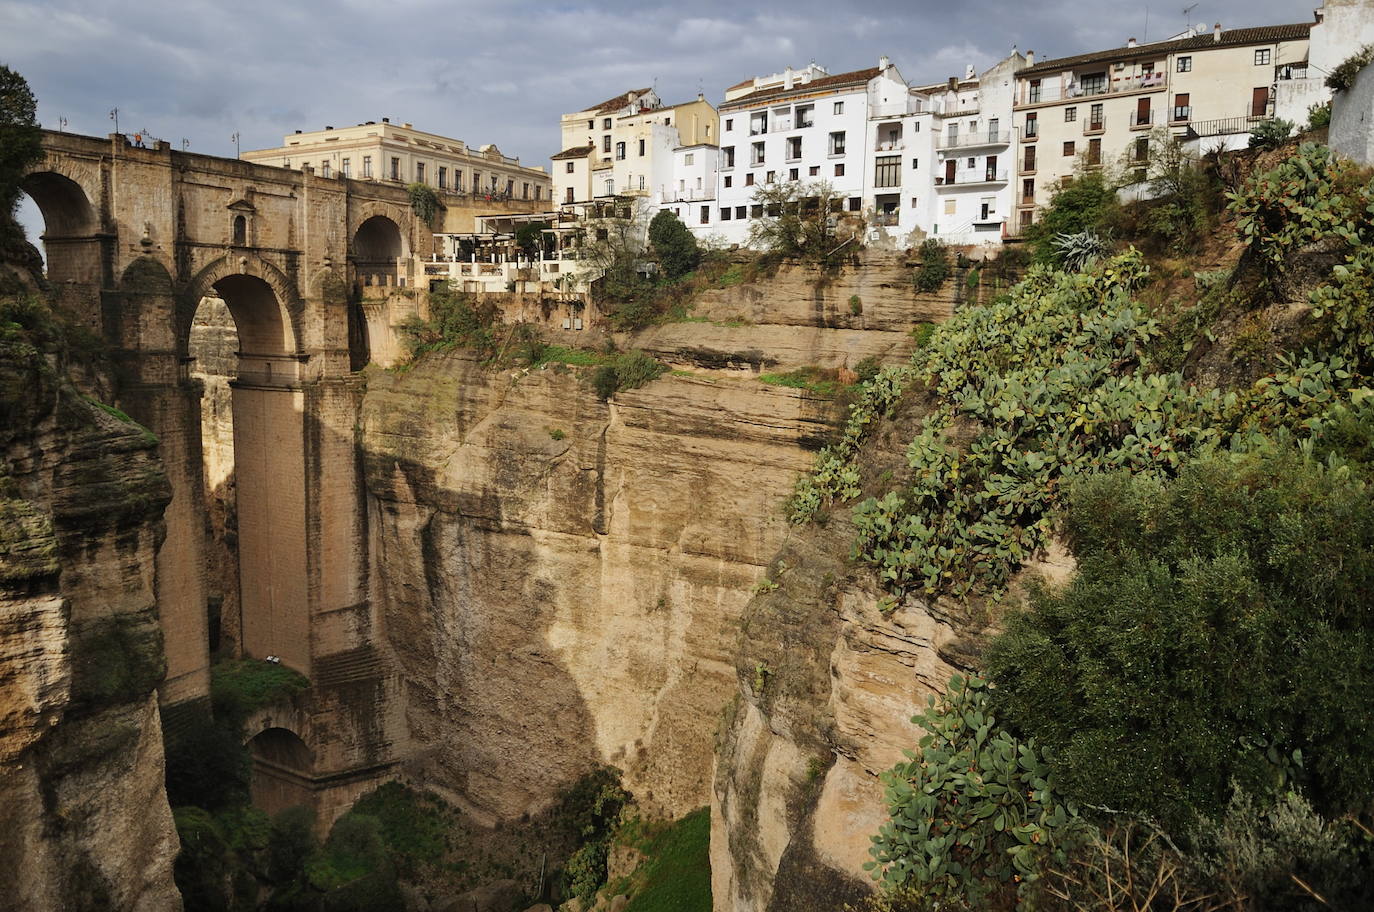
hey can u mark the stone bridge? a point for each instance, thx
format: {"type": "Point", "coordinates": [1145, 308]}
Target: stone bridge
{"type": "Point", "coordinates": [136, 238]}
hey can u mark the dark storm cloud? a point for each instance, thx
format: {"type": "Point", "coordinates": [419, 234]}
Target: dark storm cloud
{"type": "Point", "coordinates": [502, 72]}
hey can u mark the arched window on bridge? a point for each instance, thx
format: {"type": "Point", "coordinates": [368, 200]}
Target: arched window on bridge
{"type": "Point", "coordinates": [240, 231]}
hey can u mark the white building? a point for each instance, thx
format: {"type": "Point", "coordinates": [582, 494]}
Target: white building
{"type": "Point", "coordinates": [690, 193]}
{"type": "Point", "coordinates": [799, 125]}
{"type": "Point", "coordinates": [938, 160]}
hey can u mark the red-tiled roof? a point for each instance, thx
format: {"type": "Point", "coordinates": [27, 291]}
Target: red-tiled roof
{"type": "Point", "coordinates": [574, 152]}
{"type": "Point", "coordinates": [611, 105]}
{"type": "Point", "coordinates": [1264, 34]}
{"type": "Point", "coordinates": [858, 77]}
{"type": "Point", "coordinates": [741, 84]}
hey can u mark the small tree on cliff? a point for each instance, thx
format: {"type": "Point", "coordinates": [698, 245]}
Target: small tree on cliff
{"type": "Point", "coordinates": [673, 244]}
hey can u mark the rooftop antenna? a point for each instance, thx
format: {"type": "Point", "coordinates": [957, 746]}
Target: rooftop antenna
{"type": "Point", "coordinates": [1188, 17]}
{"type": "Point", "coordinates": [235, 138]}
{"type": "Point", "coordinates": [114, 115]}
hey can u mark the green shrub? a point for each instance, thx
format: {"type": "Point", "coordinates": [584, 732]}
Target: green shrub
{"type": "Point", "coordinates": [1078, 251]}
{"type": "Point", "coordinates": [203, 865]}
{"type": "Point", "coordinates": [1219, 632]}
{"type": "Point", "coordinates": [626, 371]}
{"type": "Point", "coordinates": [976, 811]}
{"type": "Point", "coordinates": [240, 687]}
{"type": "Point", "coordinates": [588, 812]}
{"type": "Point", "coordinates": [453, 322]}
{"type": "Point", "coordinates": [290, 844]}
{"type": "Point", "coordinates": [934, 268]}
{"type": "Point", "coordinates": [856, 305]}
{"type": "Point", "coordinates": [206, 763]}
{"type": "Point", "coordinates": [1085, 203]}
{"type": "Point", "coordinates": [868, 368]}
{"type": "Point", "coordinates": [673, 244]}
{"type": "Point", "coordinates": [1343, 76]}
{"type": "Point", "coordinates": [1319, 116]}
{"type": "Point", "coordinates": [529, 237]}
{"type": "Point", "coordinates": [414, 826]}
{"type": "Point", "coordinates": [1270, 134]}
{"type": "Point", "coordinates": [424, 202]}
{"type": "Point", "coordinates": [676, 875]}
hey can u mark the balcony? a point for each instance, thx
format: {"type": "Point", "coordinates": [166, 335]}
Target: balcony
{"type": "Point", "coordinates": [973, 177]}
{"type": "Point", "coordinates": [1181, 114]}
{"type": "Point", "coordinates": [1050, 90]}
{"type": "Point", "coordinates": [1223, 127]}
{"type": "Point", "coordinates": [885, 219]}
{"type": "Point", "coordinates": [889, 145]}
{"type": "Point", "coordinates": [1142, 120]}
{"type": "Point", "coordinates": [970, 140]}
{"type": "Point", "coordinates": [1092, 127]}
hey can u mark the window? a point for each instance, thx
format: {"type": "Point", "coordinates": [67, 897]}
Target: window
{"type": "Point", "coordinates": [729, 153]}
{"type": "Point", "coordinates": [457, 181]}
{"type": "Point", "coordinates": [345, 168]}
{"type": "Point", "coordinates": [443, 178]}
{"type": "Point", "coordinates": [706, 215]}
{"type": "Point", "coordinates": [756, 211]}
{"type": "Point", "coordinates": [729, 181]}
{"type": "Point", "coordinates": [591, 124]}
{"type": "Point", "coordinates": [1259, 101]}
{"type": "Point", "coordinates": [887, 171]}
{"type": "Point", "coordinates": [1262, 57]}
{"type": "Point", "coordinates": [951, 206]}
{"type": "Point", "coordinates": [837, 143]}
{"type": "Point", "coordinates": [1070, 115]}
{"type": "Point", "coordinates": [1184, 65]}
{"type": "Point", "coordinates": [476, 181]}
{"type": "Point", "coordinates": [240, 231]}
{"type": "Point", "coordinates": [915, 163]}
{"type": "Point", "coordinates": [1094, 151]}
{"type": "Point", "coordinates": [1027, 191]}
{"type": "Point", "coordinates": [536, 191]}
{"type": "Point", "coordinates": [749, 179]}
{"type": "Point", "coordinates": [813, 171]}
{"type": "Point", "coordinates": [839, 170]}
{"type": "Point", "coordinates": [1142, 148]}
{"type": "Point", "coordinates": [395, 169]}
{"type": "Point", "coordinates": [510, 187]}
{"type": "Point", "coordinates": [1095, 120]}
{"type": "Point", "coordinates": [686, 159]}
{"type": "Point", "coordinates": [1094, 83]}
{"type": "Point", "coordinates": [1033, 92]}
{"type": "Point", "coordinates": [620, 151]}
{"type": "Point", "coordinates": [856, 204]}
{"type": "Point", "coordinates": [641, 150]}
{"type": "Point", "coordinates": [606, 143]}
{"type": "Point", "coordinates": [806, 116]}
{"type": "Point", "coordinates": [420, 172]}
{"type": "Point", "coordinates": [758, 123]}
{"type": "Point", "coordinates": [984, 210]}
{"type": "Point", "coordinates": [1069, 148]}
{"type": "Point", "coordinates": [1029, 164]}
{"type": "Point", "coordinates": [972, 162]}
{"type": "Point", "coordinates": [1032, 127]}
{"type": "Point", "coordinates": [793, 148]}
{"type": "Point", "coordinates": [793, 174]}
{"type": "Point", "coordinates": [324, 169]}
{"type": "Point", "coordinates": [605, 123]}
{"type": "Point", "coordinates": [641, 181]}
{"type": "Point", "coordinates": [725, 213]}
{"type": "Point", "coordinates": [1182, 110]}
{"type": "Point", "coordinates": [757, 157]}
{"type": "Point", "coordinates": [839, 108]}
{"type": "Point", "coordinates": [913, 202]}
{"type": "Point", "coordinates": [772, 175]}
{"type": "Point", "coordinates": [667, 121]}
{"type": "Point", "coordinates": [524, 191]}
{"type": "Point", "coordinates": [729, 123]}
{"type": "Point", "coordinates": [739, 212]}
{"type": "Point", "coordinates": [570, 167]}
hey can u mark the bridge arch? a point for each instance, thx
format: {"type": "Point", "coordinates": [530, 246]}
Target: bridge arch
{"type": "Point", "coordinates": [283, 767]}
{"type": "Point", "coordinates": [376, 246]}
{"type": "Point", "coordinates": [267, 310]}
{"type": "Point", "coordinates": [72, 244]}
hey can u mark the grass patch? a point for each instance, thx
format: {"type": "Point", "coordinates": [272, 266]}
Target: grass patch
{"type": "Point", "coordinates": [576, 357]}
{"type": "Point", "coordinates": [241, 686]}
{"type": "Point", "coordinates": [821, 381]}
{"type": "Point", "coordinates": [677, 875]}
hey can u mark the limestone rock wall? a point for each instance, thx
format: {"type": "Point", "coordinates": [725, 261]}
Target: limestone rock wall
{"type": "Point", "coordinates": [84, 821]}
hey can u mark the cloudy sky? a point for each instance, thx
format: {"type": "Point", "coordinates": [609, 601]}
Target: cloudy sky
{"type": "Point", "coordinates": [503, 70]}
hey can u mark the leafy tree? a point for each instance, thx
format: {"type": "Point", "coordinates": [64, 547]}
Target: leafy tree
{"type": "Point", "coordinates": [20, 145]}
{"type": "Point", "coordinates": [798, 220]}
{"type": "Point", "coordinates": [934, 268]}
{"type": "Point", "coordinates": [673, 244]}
{"type": "Point", "coordinates": [1087, 202]}
{"type": "Point", "coordinates": [1219, 632]}
{"type": "Point", "coordinates": [529, 237]}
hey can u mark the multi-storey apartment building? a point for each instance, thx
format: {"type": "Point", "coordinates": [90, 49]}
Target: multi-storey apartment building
{"type": "Point", "coordinates": [398, 152]}
{"type": "Point", "coordinates": [940, 158]}
{"type": "Point", "coordinates": [627, 143]}
{"type": "Point", "coordinates": [691, 193]}
{"type": "Point", "coordinates": [1092, 109]}
{"type": "Point", "coordinates": [799, 125]}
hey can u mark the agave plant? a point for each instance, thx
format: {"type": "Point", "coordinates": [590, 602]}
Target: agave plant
{"type": "Point", "coordinates": [1076, 251]}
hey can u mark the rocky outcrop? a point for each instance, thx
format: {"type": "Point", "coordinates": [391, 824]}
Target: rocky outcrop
{"type": "Point", "coordinates": [562, 578]}
{"type": "Point", "coordinates": [85, 822]}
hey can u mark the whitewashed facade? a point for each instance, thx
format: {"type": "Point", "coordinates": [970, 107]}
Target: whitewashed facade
{"type": "Point", "coordinates": [690, 191]}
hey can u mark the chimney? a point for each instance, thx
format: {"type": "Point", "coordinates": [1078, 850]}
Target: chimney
{"type": "Point", "coordinates": [298, 132]}
{"type": "Point", "coordinates": [788, 78]}
{"type": "Point", "coordinates": [1030, 58]}
{"type": "Point", "coordinates": [631, 98]}
{"type": "Point", "coordinates": [1216, 33]}
{"type": "Point", "coordinates": [884, 63]}
{"type": "Point", "coordinates": [327, 127]}
{"type": "Point", "coordinates": [954, 83]}
{"type": "Point", "coordinates": [701, 96]}
{"type": "Point", "coordinates": [1130, 42]}
{"type": "Point", "coordinates": [407, 126]}
{"type": "Point", "coordinates": [386, 120]}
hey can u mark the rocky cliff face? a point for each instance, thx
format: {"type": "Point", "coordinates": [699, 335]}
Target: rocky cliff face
{"type": "Point", "coordinates": [563, 578]}
{"type": "Point", "coordinates": [85, 823]}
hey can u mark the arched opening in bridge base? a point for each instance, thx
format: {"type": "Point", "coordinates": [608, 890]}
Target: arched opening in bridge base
{"type": "Point", "coordinates": [70, 242]}
{"type": "Point", "coordinates": [282, 768]}
{"type": "Point", "coordinates": [254, 461]}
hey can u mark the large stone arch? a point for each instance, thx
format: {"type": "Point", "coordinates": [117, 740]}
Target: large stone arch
{"type": "Point", "coordinates": [283, 770]}
{"type": "Point", "coordinates": [401, 216]}
{"type": "Point", "coordinates": [74, 241]}
{"type": "Point", "coordinates": [206, 283]}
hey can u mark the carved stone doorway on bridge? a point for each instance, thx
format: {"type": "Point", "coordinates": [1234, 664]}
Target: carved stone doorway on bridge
{"type": "Point", "coordinates": [282, 767]}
